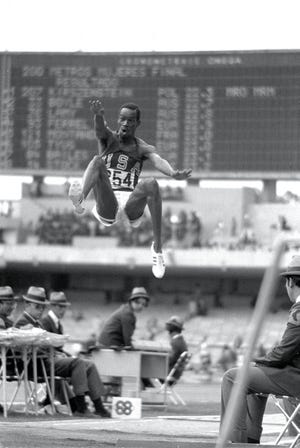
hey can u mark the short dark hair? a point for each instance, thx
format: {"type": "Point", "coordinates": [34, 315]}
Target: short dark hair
{"type": "Point", "coordinates": [132, 106]}
{"type": "Point", "coordinates": [171, 328]}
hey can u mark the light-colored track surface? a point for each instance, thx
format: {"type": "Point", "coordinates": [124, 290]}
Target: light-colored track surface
{"type": "Point", "coordinates": [180, 424]}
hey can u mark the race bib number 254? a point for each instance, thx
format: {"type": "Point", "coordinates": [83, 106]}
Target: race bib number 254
{"type": "Point", "coordinates": [119, 179]}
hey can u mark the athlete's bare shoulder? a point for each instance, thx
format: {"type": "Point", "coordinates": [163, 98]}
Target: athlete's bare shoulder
{"type": "Point", "coordinates": [144, 147]}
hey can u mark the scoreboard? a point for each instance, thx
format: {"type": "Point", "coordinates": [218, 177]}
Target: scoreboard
{"type": "Point", "coordinates": [220, 113]}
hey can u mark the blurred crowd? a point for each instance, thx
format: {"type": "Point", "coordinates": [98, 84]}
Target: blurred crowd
{"type": "Point", "coordinates": [60, 227]}
{"type": "Point", "coordinates": [182, 229]}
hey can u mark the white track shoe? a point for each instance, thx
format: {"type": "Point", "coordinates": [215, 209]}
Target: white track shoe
{"type": "Point", "coordinates": [75, 194]}
{"type": "Point", "coordinates": [158, 264]}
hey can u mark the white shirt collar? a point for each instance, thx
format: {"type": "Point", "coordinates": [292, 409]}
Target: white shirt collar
{"type": "Point", "coordinates": [54, 318]}
{"type": "Point", "coordinates": [298, 299]}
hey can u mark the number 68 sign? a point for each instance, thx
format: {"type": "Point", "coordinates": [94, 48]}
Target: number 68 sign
{"type": "Point", "coordinates": [126, 407]}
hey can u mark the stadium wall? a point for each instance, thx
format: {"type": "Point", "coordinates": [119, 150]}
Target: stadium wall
{"type": "Point", "coordinates": [265, 219]}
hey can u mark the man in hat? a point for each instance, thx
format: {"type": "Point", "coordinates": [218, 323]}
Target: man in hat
{"type": "Point", "coordinates": [58, 304]}
{"type": "Point", "coordinates": [120, 326]}
{"type": "Point", "coordinates": [51, 322]}
{"type": "Point", "coordinates": [278, 372]}
{"type": "Point", "coordinates": [7, 306]}
{"type": "Point", "coordinates": [85, 380]}
{"type": "Point", "coordinates": [174, 326]}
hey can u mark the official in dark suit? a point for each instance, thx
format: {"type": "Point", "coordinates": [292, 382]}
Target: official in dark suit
{"type": "Point", "coordinates": [58, 304]}
{"type": "Point", "coordinates": [51, 322]}
{"type": "Point", "coordinates": [84, 380]}
{"type": "Point", "coordinates": [278, 372]}
{"type": "Point", "coordinates": [120, 326]}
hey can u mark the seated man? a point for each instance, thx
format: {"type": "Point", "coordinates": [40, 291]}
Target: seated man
{"type": "Point", "coordinates": [7, 306]}
{"type": "Point", "coordinates": [84, 379]}
{"type": "Point", "coordinates": [120, 326]}
{"type": "Point", "coordinates": [278, 372]}
{"type": "Point", "coordinates": [52, 322]}
{"type": "Point", "coordinates": [174, 326]}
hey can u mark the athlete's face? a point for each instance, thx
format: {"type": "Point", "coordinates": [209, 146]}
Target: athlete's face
{"type": "Point", "coordinates": [127, 123]}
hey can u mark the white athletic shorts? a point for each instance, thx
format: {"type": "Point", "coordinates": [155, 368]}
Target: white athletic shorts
{"type": "Point", "coordinates": [122, 198]}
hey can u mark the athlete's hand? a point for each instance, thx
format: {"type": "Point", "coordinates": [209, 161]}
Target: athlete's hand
{"type": "Point", "coordinates": [182, 174]}
{"type": "Point", "coordinates": [96, 106]}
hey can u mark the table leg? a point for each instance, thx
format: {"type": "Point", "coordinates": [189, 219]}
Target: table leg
{"type": "Point", "coordinates": [48, 385]}
{"type": "Point", "coordinates": [25, 364]}
{"type": "Point", "coordinates": [52, 372]}
{"type": "Point", "coordinates": [35, 379]}
{"type": "Point", "coordinates": [3, 359]}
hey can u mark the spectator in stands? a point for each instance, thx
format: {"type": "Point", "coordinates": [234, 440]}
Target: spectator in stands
{"type": "Point", "coordinates": [84, 378]}
{"type": "Point", "coordinates": [283, 224]}
{"type": "Point", "coordinates": [195, 229]}
{"type": "Point", "coordinates": [174, 326]}
{"type": "Point", "coordinates": [119, 327]}
{"type": "Point", "coordinates": [278, 372]}
{"type": "Point", "coordinates": [181, 227]}
{"type": "Point", "coordinates": [247, 235]}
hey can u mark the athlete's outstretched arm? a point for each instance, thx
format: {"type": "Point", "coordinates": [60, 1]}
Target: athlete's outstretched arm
{"type": "Point", "coordinates": [164, 167]}
{"type": "Point", "coordinates": [101, 128]}
{"type": "Point", "coordinates": [99, 120]}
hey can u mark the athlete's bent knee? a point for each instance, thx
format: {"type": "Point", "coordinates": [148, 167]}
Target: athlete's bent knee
{"type": "Point", "coordinates": [151, 186]}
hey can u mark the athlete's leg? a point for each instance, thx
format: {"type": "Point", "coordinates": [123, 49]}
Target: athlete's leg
{"type": "Point", "coordinates": [147, 193]}
{"type": "Point", "coordinates": [95, 177]}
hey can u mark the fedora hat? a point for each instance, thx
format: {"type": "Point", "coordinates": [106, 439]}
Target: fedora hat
{"type": "Point", "coordinates": [36, 294]}
{"type": "Point", "coordinates": [293, 268]}
{"type": "Point", "coordinates": [6, 293]}
{"type": "Point", "coordinates": [58, 298]}
{"type": "Point", "coordinates": [174, 322]}
{"type": "Point", "coordinates": [138, 292]}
